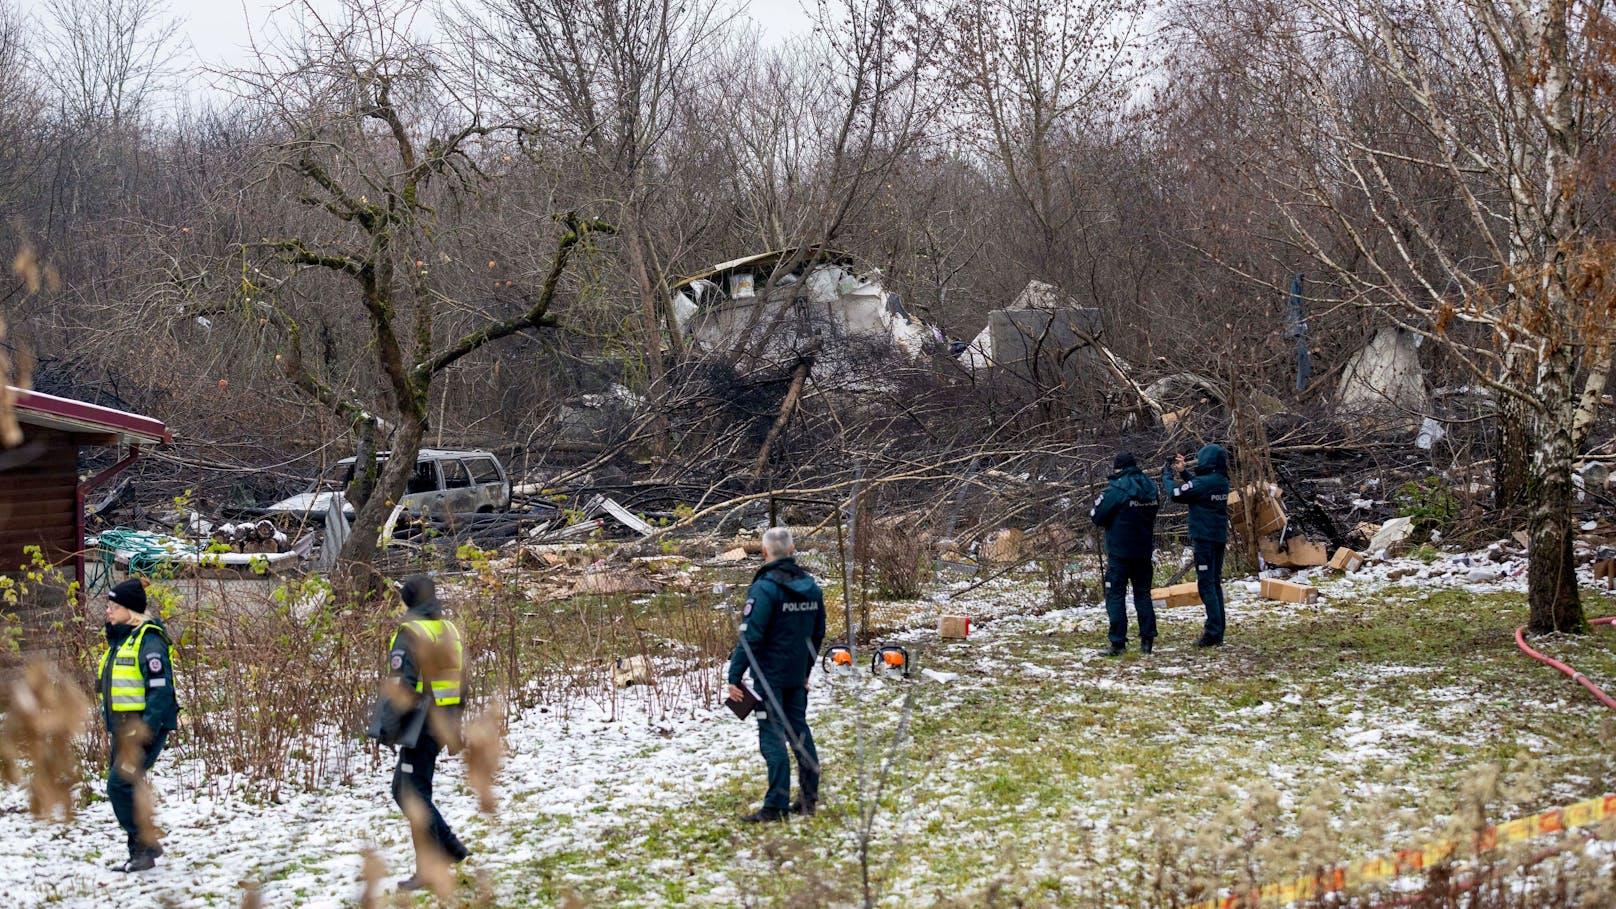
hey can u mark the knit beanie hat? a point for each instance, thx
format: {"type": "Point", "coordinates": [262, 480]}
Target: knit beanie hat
{"type": "Point", "coordinates": [130, 594]}
{"type": "Point", "coordinates": [1124, 460]}
{"type": "Point", "coordinates": [418, 591]}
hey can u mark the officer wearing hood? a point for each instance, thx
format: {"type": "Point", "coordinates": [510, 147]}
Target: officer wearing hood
{"type": "Point", "coordinates": [1127, 511]}
{"type": "Point", "coordinates": [1206, 491]}
{"type": "Point", "coordinates": [136, 681]}
{"type": "Point", "coordinates": [419, 712]}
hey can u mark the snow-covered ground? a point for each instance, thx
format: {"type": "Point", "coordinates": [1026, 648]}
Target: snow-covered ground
{"type": "Point", "coordinates": [612, 796]}
{"type": "Point", "coordinates": [563, 782]}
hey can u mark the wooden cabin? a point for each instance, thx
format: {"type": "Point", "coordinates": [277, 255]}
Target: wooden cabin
{"type": "Point", "coordinates": [42, 494]}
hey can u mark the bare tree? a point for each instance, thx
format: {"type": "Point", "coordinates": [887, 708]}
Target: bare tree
{"type": "Point", "coordinates": [1031, 79]}
{"type": "Point", "coordinates": [1432, 158]}
{"type": "Point", "coordinates": [379, 149]}
{"type": "Point", "coordinates": [108, 59]}
{"type": "Point", "coordinates": [607, 80]}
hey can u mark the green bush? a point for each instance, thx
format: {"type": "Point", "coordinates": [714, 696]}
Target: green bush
{"type": "Point", "coordinates": [1430, 502]}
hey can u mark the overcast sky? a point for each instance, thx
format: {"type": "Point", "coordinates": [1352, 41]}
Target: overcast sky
{"type": "Point", "coordinates": [219, 29]}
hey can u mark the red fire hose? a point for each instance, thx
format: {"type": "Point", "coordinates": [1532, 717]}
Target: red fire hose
{"type": "Point", "coordinates": [1579, 678]}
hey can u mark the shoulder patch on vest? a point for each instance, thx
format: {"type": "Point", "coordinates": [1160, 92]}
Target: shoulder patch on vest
{"type": "Point", "coordinates": [397, 661]}
{"type": "Point", "coordinates": [746, 610]}
{"type": "Point", "coordinates": [155, 665]}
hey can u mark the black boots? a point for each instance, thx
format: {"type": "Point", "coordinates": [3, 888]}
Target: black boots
{"type": "Point", "coordinates": [804, 809]}
{"type": "Point", "coordinates": [144, 860]}
{"type": "Point", "coordinates": [764, 816]}
{"type": "Point", "coordinates": [1115, 650]}
{"type": "Point", "coordinates": [1206, 640]}
{"type": "Point", "coordinates": [141, 858]}
{"type": "Point", "coordinates": [1147, 645]}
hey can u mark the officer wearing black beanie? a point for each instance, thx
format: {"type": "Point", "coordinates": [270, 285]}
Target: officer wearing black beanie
{"type": "Point", "coordinates": [136, 681]}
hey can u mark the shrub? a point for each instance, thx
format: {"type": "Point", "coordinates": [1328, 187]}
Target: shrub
{"type": "Point", "coordinates": [897, 560]}
{"type": "Point", "coordinates": [1430, 502]}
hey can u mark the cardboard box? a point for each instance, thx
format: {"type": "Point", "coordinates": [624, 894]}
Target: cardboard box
{"type": "Point", "coordinates": [954, 626]}
{"type": "Point", "coordinates": [1268, 511]}
{"type": "Point", "coordinates": [1346, 560]}
{"type": "Point", "coordinates": [1605, 570]}
{"type": "Point", "coordinates": [1288, 592]}
{"type": "Point", "coordinates": [1003, 547]}
{"type": "Point", "coordinates": [1177, 595]}
{"type": "Point", "coordinates": [1298, 552]}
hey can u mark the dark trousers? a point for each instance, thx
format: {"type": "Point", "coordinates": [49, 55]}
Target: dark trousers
{"type": "Point", "coordinates": [1209, 583]}
{"type": "Point", "coordinates": [1120, 573]}
{"type": "Point", "coordinates": [121, 786]}
{"type": "Point", "coordinates": [778, 736]}
{"type": "Point", "coordinates": [416, 766]}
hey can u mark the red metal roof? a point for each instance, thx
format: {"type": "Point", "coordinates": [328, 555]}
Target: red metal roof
{"type": "Point", "coordinates": [79, 416]}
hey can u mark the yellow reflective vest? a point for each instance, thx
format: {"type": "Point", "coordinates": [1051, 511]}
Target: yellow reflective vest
{"type": "Point", "coordinates": [127, 692]}
{"type": "Point", "coordinates": [443, 639]}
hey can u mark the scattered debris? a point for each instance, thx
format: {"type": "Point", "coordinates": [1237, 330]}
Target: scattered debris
{"type": "Point", "coordinates": [627, 518]}
{"type": "Point", "coordinates": [1267, 511]}
{"type": "Point", "coordinates": [1042, 330]}
{"type": "Point", "coordinates": [1288, 591]}
{"type": "Point", "coordinates": [1605, 570]}
{"type": "Point", "coordinates": [1431, 432]}
{"type": "Point", "coordinates": [774, 298]}
{"type": "Point", "coordinates": [1296, 552]}
{"type": "Point", "coordinates": [634, 670]}
{"type": "Point", "coordinates": [954, 626]}
{"type": "Point", "coordinates": [1003, 547]}
{"type": "Point", "coordinates": [1391, 534]}
{"type": "Point", "coordinates": [1186, 594]}
{"type": "Point", "coordinates": [1384, 377]}
{"type": "Point", "coordinates": [939, 677]}
{"type": "Point", "coordinates": [1346, 560]}
{"type": "Point", "coordinates": [609, 583]}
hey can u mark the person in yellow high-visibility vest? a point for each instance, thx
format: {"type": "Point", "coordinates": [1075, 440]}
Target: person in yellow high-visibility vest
{"type": "Point", "coordinates": [136, 679]}
{"type": "Point", "coordinates": [420, 713]}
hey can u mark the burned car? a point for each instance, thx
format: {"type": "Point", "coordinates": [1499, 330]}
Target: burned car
{"type": "Point", "coordinates": [444, 482]}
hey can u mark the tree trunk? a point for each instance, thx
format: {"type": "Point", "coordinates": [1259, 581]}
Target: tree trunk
{"type": "Point", "coordinates": [364, 475]}
{"type": "Point", "coordinates": [1512, 462]}
{"type": "Point", "coordinates": [354, 564]}
{"type": "Point", "coordinates": [1592, 391]}
{"type": "Point", "coordinates": [787, 408]}
{"type": "Point", "coordinates": [1551, 584]}
{"type": "Point", "coordinates": [649, 321]}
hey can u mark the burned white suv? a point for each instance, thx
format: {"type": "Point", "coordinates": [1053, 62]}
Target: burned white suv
{"type": "Point", "coordinates": [444, 482]}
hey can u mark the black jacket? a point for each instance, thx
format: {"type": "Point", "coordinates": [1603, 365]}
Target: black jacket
{"type": "Point", "coordinates": [1127, 511]}
{"type": "Point", "coordinates": [1206, 492]}
{"type": "Point", "coordinates": [395, 723]}
{"type": "Point", "coordinates": [782, 624]}
{"type": "Point", "coordinates": [162, 706]}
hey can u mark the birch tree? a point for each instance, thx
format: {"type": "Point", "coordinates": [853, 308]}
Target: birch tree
{"type": "Point", "coordinates": [1433, 158]}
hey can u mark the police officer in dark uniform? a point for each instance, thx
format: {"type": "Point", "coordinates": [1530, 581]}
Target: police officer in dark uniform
{"type": "Point", "coordinates": [782, 629]}
{"type": "Point", "coordinates": [136, 680]}
{"type": "Point", "coordinates": [419, 711]}
{"type": "Point", "coordinates": [1127, 511]}
{"type": "Point", "coordinates": [1206, 492]}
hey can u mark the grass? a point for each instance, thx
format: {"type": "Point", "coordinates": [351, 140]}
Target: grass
{"type": "Point", "coordinates": [1047, 774]}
